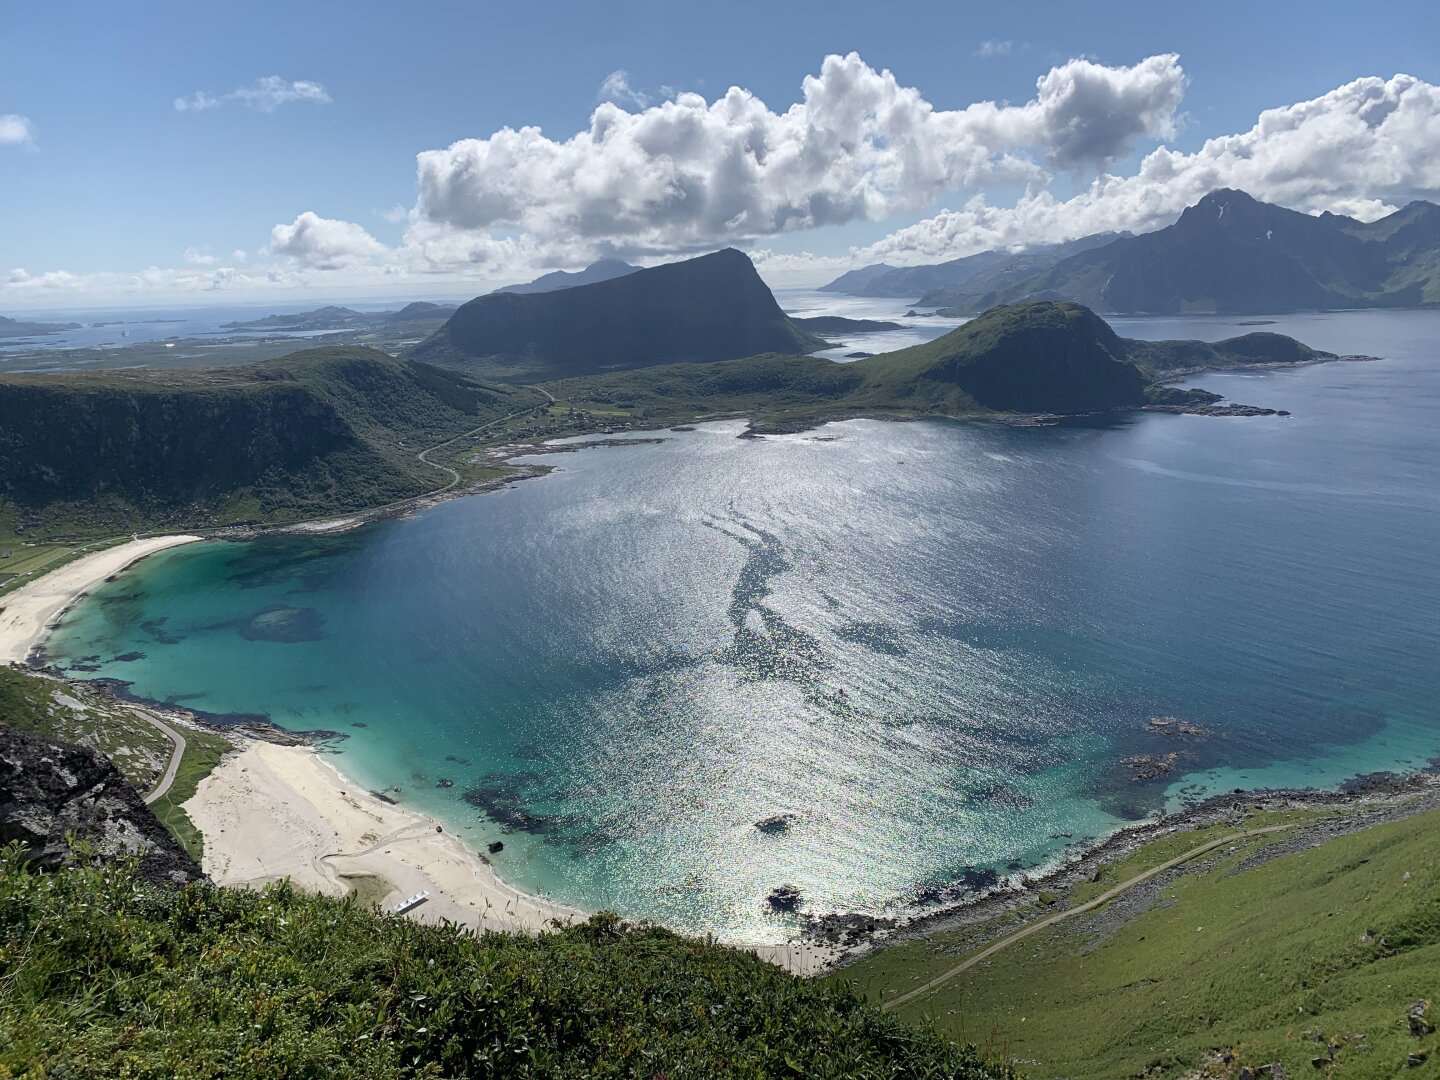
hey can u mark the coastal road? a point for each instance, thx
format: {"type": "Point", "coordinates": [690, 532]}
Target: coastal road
{"type": "Point", "coordinates": [424, 455]}
{"type": "Point", "coordinates": [1103, 898]}
{"type": "Point", "coordinates": [177, 751]}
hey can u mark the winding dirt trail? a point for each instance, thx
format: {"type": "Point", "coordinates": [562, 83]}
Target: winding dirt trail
{"type": "Point", "coordinates": [1103, 898]}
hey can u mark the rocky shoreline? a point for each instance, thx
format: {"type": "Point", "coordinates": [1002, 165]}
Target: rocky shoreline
{"type": "Point", "coordinates": [1373, 798]}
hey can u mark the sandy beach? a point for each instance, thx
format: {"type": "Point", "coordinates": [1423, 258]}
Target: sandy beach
{"type": "Point", "coordinates": [26, 613]}
{"type": "Point", "coordinates": [270, 812]}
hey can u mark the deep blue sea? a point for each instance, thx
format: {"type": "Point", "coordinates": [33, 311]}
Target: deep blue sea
{"type": "Point", "coordinates": [934, 644]}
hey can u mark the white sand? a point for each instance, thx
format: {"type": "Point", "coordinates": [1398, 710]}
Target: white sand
{"type": "Point", "coordinates": [271, 812]}
{"type": "Point", "coordinates": [26, 613]}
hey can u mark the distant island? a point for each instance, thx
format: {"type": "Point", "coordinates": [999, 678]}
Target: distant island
{"type": "Point", "coordinates": [836, 324]}
{"type": "Point", "coordinates": [1227, 254]}
{"type": "Point", "coordinates": [343, 318]}
{"type": "Point", "coordinates": [13, 328]}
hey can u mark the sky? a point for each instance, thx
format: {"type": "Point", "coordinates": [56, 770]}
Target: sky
{"type": "Point", "coordinates": [179, 153]}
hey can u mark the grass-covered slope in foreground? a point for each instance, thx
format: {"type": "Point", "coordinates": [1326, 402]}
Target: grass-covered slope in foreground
{"type": "Point", "coordinates": [1039, 357]}
{"type": "Point", "coordinates": [1264, 951]}
{"type": "Point", "coordinates": [102, 976]}
{"type": "Point", "coordinates": [312, 433]}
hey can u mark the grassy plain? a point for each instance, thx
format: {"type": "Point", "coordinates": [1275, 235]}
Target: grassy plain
{"type": "Point", "coordinates": [1264, 950]}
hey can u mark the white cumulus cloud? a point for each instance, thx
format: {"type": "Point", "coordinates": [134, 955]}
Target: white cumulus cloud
{"type": "Point", "coordinates": [859, 145]}
{"type": "Point", "coordinates": [324, 243]}
{"type": "Point", "coordinates": [16, 130]}
{"type": "Point", "coordinates": [993, 47]}
{"type": "Point", "coordinates": [265, 94]}
{"type": "Point", "coordinates": [687, 174]}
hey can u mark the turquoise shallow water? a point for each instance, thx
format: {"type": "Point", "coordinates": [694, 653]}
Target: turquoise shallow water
{"type": "Point", "coordinates": [933, 644]}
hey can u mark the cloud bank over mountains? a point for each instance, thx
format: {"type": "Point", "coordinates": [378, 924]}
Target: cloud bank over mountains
{"type": "Point", "coordinates": [652, 179]}
{"type": "Point", "coordinates": [1363, 149]}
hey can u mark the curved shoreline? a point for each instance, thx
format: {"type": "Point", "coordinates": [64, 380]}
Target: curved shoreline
{"type": "Point", "coordinates": [28, 613]}
{"type": "Point", "coordinates": [1108, 846]}
{"type": "Point", "coordinates": [854, 936]}
{"type": "Point", "coordinates": [276, 809]}
{"type": "Point", "coordinates": [270, 812]}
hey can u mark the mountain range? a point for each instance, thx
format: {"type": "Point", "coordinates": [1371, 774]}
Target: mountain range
{"type": "Point", "coordinates": [987, 270]}
{"type": "Point", "coordinates": [1229, 253]}
{"type": "Point", "coordinates": [714, 307]}
{"type": "Point", "coordinates": [602, 270]}
{"type": "Point", "coordinates": [1039, 357]}
{"type": "Point", "coordinates": [341, 428]}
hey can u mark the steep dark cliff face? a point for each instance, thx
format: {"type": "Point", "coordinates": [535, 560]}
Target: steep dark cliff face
{"type": "Point", "coordinates": [711, 308]}
{"type": "Point", "coordinates": [51, 792]}
{"type": "Point", "coordinates": [310, 433]}
{"type": "Point", "coordinates": [158, 446]}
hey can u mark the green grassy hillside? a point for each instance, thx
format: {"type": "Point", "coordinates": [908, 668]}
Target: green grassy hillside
{"type": "Point", "coordinates": [1041, 357]}
{"type": "Point", "coordinates": [312, 433]}
{"type": "Point", "coordinates": [1265, 950]}
{"type": "Point", "coordinates": [103, 976]}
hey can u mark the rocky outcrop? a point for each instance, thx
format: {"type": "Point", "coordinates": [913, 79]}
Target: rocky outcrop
{"type": "Point", "coordinates": [715, 307]}
{"type": "Point", "coordinates": [784, 898]}
{"type": "Point", "coordinates": [53, 793]}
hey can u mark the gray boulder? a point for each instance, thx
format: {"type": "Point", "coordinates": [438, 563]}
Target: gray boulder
{"type": "Point", "coordinates": [51, 792]}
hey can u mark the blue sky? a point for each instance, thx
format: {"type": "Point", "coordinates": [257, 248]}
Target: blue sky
{"type": "Point", "coordinates": [105, 184]}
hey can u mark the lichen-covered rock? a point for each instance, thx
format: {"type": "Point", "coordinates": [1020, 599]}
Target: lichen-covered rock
{"type": "Point", "coordinates": [51, 792]}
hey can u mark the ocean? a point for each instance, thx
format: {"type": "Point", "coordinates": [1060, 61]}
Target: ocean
{"type": "Point", "coordinates": [927, 655]}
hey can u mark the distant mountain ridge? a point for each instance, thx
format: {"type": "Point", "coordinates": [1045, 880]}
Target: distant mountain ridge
{"type": "Point", "coordinates": [601, 270]}
{"type": "Point", "coordinates": [986, 270]}
{"type": "Point", "coordinates": [1227, 254]}
{"type": "Point", "coordinates": [1231, 254]}
{"type": "Point", "coordinates": [852, 281]}
{"type": "Point", "coordinates": [714, 307]}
